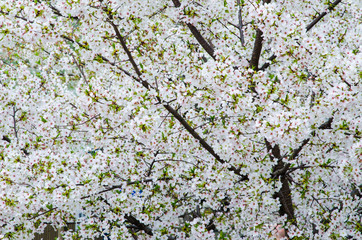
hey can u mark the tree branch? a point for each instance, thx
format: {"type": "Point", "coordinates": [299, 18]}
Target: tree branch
{"type": "Point", "coordinates": [71, 40]}
{"type": "Point", "coordinates": [6, 138]}
{"type": "Point", "coordinates": [309, 27]}
{"type": "Point", "coordinates": [285, 198]}
{"type": "Point", "coordinates": [241, 31]}
{"type": "Point", "coordinates": [80, 68]}
{"type": "Point", "coordinates": [320, 16]}
{"type": "Point", "coordinates": [325, 125]}
{"type": "Point", "coordinates": [138, 224]}
{"type": "Point", "coordinates": [267, 64]}
{"type": "Point", "coordinates": [202, 142]}
{"type": "Point", "coordinates": [281, 169]}
{"type": "Point", "coordinates": [275, 151]}
{"type": "Point", "coordinates": [131, 59]}
{"type": "Point", "coordinates": [208, 48]}
{"type": "Point", "coordinates": [176, 3]}
{"type": "Point", "coordinates": [125, 48]}
{"type": "Point", "coordinates": [284, 194]}
{"type": "Point", "coordinates": [14, 119]}
{"type": "Point", "coordinates": [299, 149]}
{"type": "Point", "coordinates": [258, 45]}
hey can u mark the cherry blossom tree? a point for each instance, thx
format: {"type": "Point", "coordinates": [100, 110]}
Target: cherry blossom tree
{"type": "Point", "coordinates": [180, 119]}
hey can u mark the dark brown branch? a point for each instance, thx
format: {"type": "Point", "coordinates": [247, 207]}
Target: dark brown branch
{"type": "Point", "coordinates": [104, 59]}
{"type": "Point", "coordinates": [299, 149]}
{"type": "Point", "coordinates": [303, 166]}
{"type": "Point", "coordinates": [326, 125]}
{"type": "Point", "coordinates": [176, 3]}
{"type": "Point", "coordinates": [208, 48]}
{"type": "Point", "coordinates": [285, 198]}
{"type": "Point", "coordinates": [280, 170]}
{"type": "Point", "coordinates": [17, 16]}
{"type": "Point", "coordinates": [130, 57]}
{"type": "Point", "coordinates": [284, 194]}
{"type": "Point", "coordinates": [268, 145]}
{"type": "Point", "coordinates": [138, 224]}
{"type": "Point", "coordinates": [321, 15]}
{"type": "Point", "coordinates": [129, 218]}
{"type": "Point", "coordinates": [123, 70]}
{"type": "Point", "coordinates": [202, 142]}
{"type": "Point", "coordinates": [57, 12]}
{"type": "Point", "coordinates": [71, 40]}
{"type": "Point", "coordinates": [80, 68]}
{"type": "Point", "coordinates": [111, 188]}
{"type": "Point", "coordinates": [193, 132]}
{"type": "Point", "coordinates": [267, 64]}
{"type": "Point", "coordinates": [125, 48]}
{"type": "Point", "coordinates": [258, 45]}
{"type": "Point", "coordinates": [43, 213]}
{"type": "Point", "coordinates": [6, 138]}
{"type": "Point", "coordinates": [275, 151]}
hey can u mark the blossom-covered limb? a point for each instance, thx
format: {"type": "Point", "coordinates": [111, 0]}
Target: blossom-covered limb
{"type": "Point", "coordinates": [308, 28]}
{"type": "Point", "coordinates": [321, 15]}
{"type": "Point", "coordinates": [208, 48]}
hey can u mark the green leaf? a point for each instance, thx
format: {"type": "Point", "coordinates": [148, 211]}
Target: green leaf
{"type": "Point", "coordinates": [43, 119]}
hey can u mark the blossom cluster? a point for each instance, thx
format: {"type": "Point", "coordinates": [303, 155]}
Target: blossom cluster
{"type": "Point", "coordinates": [180, 119]}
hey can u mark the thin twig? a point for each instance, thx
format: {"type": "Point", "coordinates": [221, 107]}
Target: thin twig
{"type": "Point", "coordinates": [80, 69]}
{"type": "Point", "coordinates": [14, 122]}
